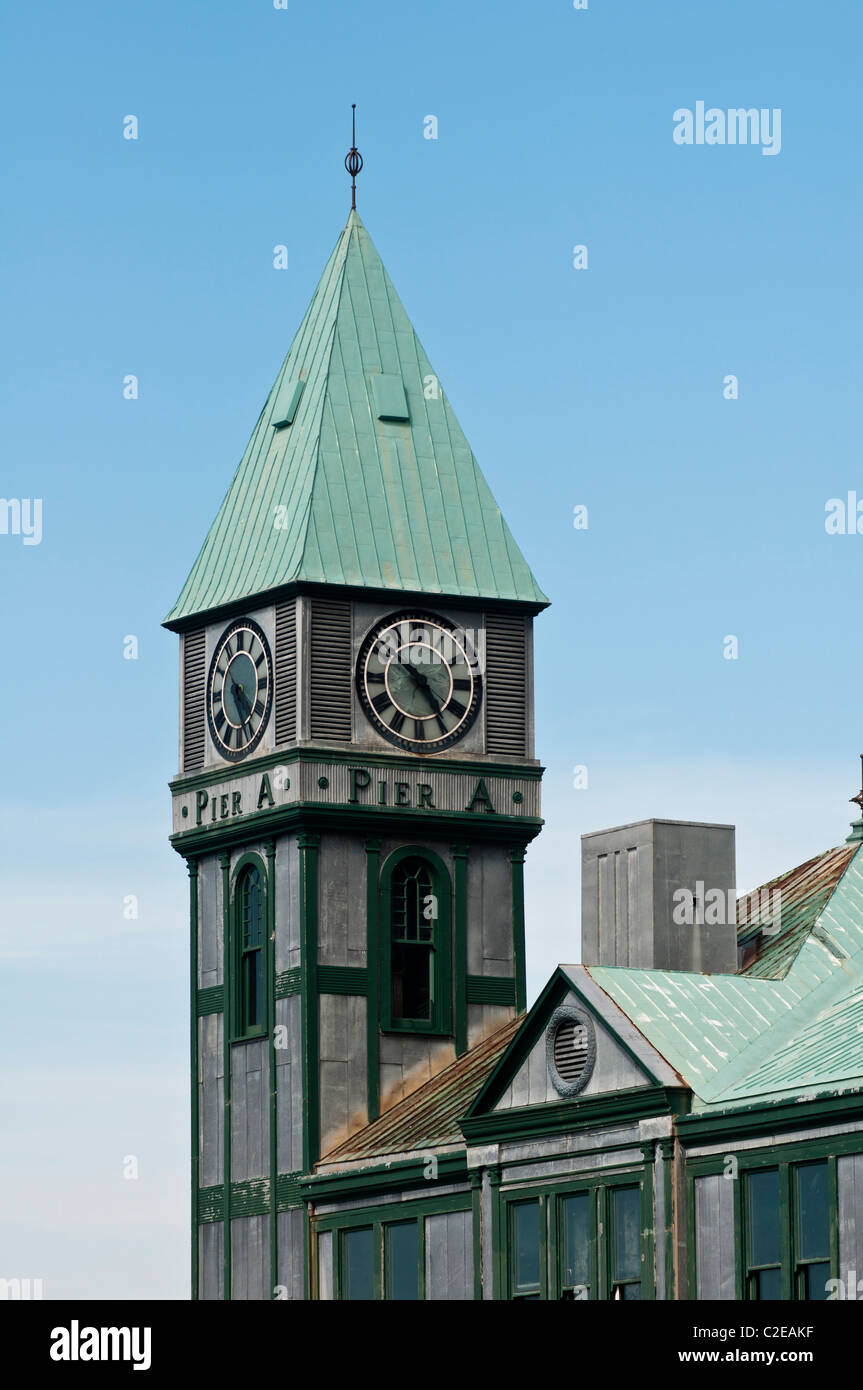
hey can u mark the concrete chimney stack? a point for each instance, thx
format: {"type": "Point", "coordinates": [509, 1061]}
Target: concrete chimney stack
{"type": "Point", "coordinates": [660, 894]}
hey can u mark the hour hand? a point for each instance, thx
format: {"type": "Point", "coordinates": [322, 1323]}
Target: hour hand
{"type": "Point", "coordinates": [239, 695]}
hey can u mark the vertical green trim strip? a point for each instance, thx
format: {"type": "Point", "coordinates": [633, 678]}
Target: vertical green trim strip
{"type": "Point", "coordinates": [271, 1029]}
{"type": "Point", "coordinates": [498, 1254]}
{"type": "Point", "coordinates": [516, 859]}
{"type": "Point", "coordinates": [192, 865]}
{"type": "Point", "coordinates": [227, 972]}
{"type": "Point", "coordinates": [833, 1178]}
{"type": "Point", "coordinates": [667, 1148]}
{"type": "Point", "coordinates": [308, 847]}
{"type": "Point", "coordinates": [373, 860]}
{"type": "Point", "coordinates": [476, 1226]}
{"type": "Point", "coordinates": [459, 853]}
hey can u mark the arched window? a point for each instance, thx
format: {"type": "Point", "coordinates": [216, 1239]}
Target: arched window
{"type": "Point", "coordinates": [413, 914]}
{"type": "Point", "coordinates": [417, 985]}
{"type": "Point", "coordinates": [250, 953]}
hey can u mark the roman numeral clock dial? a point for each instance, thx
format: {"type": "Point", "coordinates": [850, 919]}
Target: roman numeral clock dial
{"type": "Point", "coordinates": [240, 690]}
{"type": "Point", "coordinates": [419, 682]}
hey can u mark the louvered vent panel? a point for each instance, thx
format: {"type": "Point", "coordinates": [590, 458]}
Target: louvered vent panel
{"type": "Point", "coordinates": [506, 689]}
{"type": "Point", "coordinates": [331, 674]}
{"type": "Point", "coordinates": [286, 672]}
{"type": "Point", "coordinates": [570, 1051]}
{"type": "Point", "coordinates": [194, 683]}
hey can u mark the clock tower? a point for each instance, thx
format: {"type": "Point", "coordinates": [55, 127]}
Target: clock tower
{"type": "Point", "coordinates": [357, 783]}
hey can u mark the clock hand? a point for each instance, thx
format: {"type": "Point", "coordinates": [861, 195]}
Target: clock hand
{"type": "Point", "coordinates": [239, 695]}
{"type": "Point", "coordinates": [422, 680]}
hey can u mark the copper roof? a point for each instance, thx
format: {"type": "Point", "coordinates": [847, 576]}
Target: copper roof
{"type": "Point", "coordinates": [429, 1117]}
{"type": "Point", "coordinates": [803, 894]}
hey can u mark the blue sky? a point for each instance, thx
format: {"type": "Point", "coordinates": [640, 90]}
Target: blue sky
{"type": "Point", "coordinates": [601, 387]}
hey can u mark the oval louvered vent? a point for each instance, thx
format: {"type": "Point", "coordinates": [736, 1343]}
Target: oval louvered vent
{"type": "Point", "coordinates": [570, 1050]}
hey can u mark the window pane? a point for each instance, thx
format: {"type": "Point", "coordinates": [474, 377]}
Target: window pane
{"type": "Point", "coordinates": [526, 1219]}
{"type": "Point", "coordinates": [411, 981]}
{"type": "Point", "coordinates": [813, 1212]}
{"type": "Point", "coordinates": [576, 1241]}
{"type": "Point", "coordinates": [764, 1243]}
{"type": "Point", "coordinates": [816, 1278]}
{"type": "Point", "coordinates": [252, 908]}
{"type": "Point", "coordinates": [403, 1260]}
{"type": "Point", "coordinates": [359, 1269]}
{"type": "Point", "coordinates": [253, 1002]}
{"type": "Point", "coordinates": [412, 919]}
{"type": "Point", "coordinates": [768, 1284]}
{"type": "Point", "coordinates": [627, 1232]}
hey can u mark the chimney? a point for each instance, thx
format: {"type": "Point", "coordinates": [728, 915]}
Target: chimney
{"type": "Point", "coordinates": [660, 894]}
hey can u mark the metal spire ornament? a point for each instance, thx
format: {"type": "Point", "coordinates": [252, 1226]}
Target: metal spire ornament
{"type": "Point", "coordinates": [858, 799]}
{"type": "Point", "coordinates": [353, 158]}
{"type": "Point", "coordinates": [857, 825]}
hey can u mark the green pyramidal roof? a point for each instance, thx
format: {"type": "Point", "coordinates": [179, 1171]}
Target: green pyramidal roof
{"type": "Point", "coordinates": [343, 496]}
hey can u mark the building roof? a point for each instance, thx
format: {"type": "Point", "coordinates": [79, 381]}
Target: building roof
{"type": "Point", "coordinates": [802, 893]}
{"type": "Point", "coordinates": [780, 1030]}
{"type": "Point", "coordinates": [736, 1037]}
{"type": "Point", "coordinates": [429, 1117]}
{"type": "Point", "coordinates": [360, 448]}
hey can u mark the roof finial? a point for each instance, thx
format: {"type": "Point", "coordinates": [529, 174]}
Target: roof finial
{"type": "Point", "coordinates": [857, 825]}
{"type": "Point", "coordinates": [353, 158]}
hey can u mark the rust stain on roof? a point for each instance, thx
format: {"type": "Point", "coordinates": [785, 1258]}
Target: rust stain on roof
{"type": "Point", "coordinates": [799, 896]}
{"type": "Point", "coordinates": [429, 1117]}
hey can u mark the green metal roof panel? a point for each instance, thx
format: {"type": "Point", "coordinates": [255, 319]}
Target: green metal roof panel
{"type": "Point", "coordinates": [365, 502]}
{"type": "Point", "coordinates": [801, 895]}
{"type": "Point", "coordinates": [699, 1023]}
{"type": "Point", "coordinates": [739, 1036]}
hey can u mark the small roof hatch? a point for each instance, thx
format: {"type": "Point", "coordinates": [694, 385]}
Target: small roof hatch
{"type": "Point", "coordinates": [390, 400]}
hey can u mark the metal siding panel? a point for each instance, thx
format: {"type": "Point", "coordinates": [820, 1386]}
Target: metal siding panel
{"type": "Point", "coordinates": [726, 1239]}
{"type": "Point", "coordinates": [212, 1260]}
{"type": "Point", "coordinates": [849, 1176]}
{"type": "Point", "coordinates": [292, 1253]}
{"type": "Point", "coordinates": [289, 1086]}
{"type": "Point", "coordinates": [240, 1259]}
{"type": "Point", "coordinates": [211, 1111]}
{"type": "Point", "coordinates": [249, 1111]}
{"type": "Point", "coordinates": [250, 1258]}
{"type": "Point", "coordinates": [287, 903]}
{"type": "Point", "coordinates": [325, 1265]}
{"type": "Point", "coordinates": [714, 1236]}
{"type": "Point", "coordinates": [436, 1270]}
{"type": "Point", "coordinates": [210, 919]}
{"type": "Point", "coordinates": [449, 1257]}
{"type": "Point", "coordinates": [357, 1063]}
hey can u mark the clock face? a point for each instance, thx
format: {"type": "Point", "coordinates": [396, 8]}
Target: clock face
{"type": "Point", "coordinates": [419, 682]}
{"type": "Point", "coordinates": [240, 689]}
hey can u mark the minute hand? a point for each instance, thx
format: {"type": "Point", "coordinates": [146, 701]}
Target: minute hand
{"type": "Point", "coordinates": [422, 682]}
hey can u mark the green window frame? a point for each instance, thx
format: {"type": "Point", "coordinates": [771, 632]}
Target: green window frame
{"type": "Point", "coordinates": [380, 1255]}
{"type": "Point", "coordinates": [249, 925]}
{"type": "Point", "coordinates": [416, 939]}
{"type": "Point", "coordinates": [788, 1221]}
{"type": "Point", "coordinates": [580, 1241]}
{"type": "Point", "coordinates": [804, 1254]}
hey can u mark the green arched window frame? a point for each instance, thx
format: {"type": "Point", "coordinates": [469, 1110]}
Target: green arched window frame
{"type": "Point", "coordinates": [400, 939]}
{"type": "Point", "coordinates": [249, 952]}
